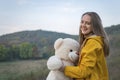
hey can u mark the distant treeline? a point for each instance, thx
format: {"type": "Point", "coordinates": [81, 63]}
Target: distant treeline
{"type": "Point", "coordinates": [21, 51]}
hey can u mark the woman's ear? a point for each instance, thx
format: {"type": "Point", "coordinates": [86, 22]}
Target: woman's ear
{"type": "Point", "coordinates": [58, 43]}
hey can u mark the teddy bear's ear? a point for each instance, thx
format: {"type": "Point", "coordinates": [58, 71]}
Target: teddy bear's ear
{"type": "Point", "coordinates": [58, 43]}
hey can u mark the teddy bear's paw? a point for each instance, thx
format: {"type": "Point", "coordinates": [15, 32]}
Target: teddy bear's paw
{"type": "Point", "coordinates": [54, 63]}
{"type": "Point", "coordinates": [73, 56]}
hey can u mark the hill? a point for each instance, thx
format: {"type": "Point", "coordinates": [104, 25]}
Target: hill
{"type": "Point", "coordinates": [32, 37]}
{"type": "Point", "coordinates": [39, 42]}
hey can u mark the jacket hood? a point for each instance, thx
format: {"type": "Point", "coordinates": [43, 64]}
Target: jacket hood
{"type": "Point", "coordinates": [97, 38]}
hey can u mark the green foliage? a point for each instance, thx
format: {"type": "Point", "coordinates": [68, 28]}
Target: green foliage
{"type": "Point", "coordinates": [26, 50]}
{"type": "Point", "coordinates": [13, 52]}
{"type": "Point", "coordinates": [3, 53]}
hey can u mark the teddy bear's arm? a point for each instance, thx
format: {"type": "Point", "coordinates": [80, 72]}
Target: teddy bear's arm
{"type": "Point", "coordinates": [54, 63]}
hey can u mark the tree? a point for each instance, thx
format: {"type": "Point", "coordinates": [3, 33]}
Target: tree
{"type": "Point", "coordinates": [3, 53]}
{"type": "Point", "coordinates": [13, 52]}
{"type": "Point", "coordinates": [26, 50]}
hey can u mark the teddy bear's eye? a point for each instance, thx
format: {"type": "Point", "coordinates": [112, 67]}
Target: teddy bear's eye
{"type": "Point", "coordinates": [71, 50]}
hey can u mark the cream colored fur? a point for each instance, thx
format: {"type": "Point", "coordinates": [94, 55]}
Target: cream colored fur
{"type": "Point", "coordinates": [65, 53]}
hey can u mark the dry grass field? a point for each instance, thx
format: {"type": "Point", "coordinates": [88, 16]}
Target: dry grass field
{"type": "Point", "coordinates": [23, 70]}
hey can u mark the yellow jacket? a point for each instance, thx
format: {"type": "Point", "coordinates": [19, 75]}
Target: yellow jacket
{"type": "Point", "coordinates": [92, 63]}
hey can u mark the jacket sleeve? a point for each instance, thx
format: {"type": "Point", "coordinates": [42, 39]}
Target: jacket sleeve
{"type": "Point", "coordinates": [86, 63]}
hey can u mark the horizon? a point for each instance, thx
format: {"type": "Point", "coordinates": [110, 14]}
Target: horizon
{"type": "Point", "coordinates": [48, 31]}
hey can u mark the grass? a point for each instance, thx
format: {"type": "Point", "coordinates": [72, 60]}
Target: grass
{"type": "Point", "coordinates": [114, 68]}
{"type": "Point", "coordinates": [37, 69]}
{"type": "Point", "coordinates": [23, 70]}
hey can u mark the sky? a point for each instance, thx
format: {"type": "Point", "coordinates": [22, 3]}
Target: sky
{"type": "Point", "coordinates": [54, 15]}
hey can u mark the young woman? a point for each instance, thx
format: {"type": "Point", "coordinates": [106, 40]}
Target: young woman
{"type": "Point", "coordinates": [94, 49]}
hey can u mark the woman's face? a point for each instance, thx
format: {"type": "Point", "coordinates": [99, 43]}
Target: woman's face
{"type": "Point", "coordinates": [86, 28]}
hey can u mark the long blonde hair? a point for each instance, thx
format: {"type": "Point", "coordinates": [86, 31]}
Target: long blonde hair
{"type": "Point", "coordinates": [98, 30]}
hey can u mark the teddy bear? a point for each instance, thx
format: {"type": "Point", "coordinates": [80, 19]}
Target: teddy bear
{"type": "Point", "coordinates": [65, 54]}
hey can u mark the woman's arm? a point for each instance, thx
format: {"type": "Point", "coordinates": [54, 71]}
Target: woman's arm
{"type": "Point", "coordinates": [86, 63]}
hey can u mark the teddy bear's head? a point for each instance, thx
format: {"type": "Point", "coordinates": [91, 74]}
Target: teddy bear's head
{"type": "Point", "coordinates": [64, 46]}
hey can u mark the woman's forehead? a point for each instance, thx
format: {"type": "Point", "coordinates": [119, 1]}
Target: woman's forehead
{"type": "Point", "coordinates": [86, 17]}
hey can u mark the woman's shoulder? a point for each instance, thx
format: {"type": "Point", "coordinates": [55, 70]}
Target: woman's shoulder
{"type": "Point", "coordinates": [95, 38]}
{"type": "Point", "coordinates": [95, 41]}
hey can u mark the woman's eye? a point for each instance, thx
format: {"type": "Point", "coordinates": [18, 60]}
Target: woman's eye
{"type": "Point", "coordinates": [88, 23]}
{"type": "Point", "coordinates": [71, 50]}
